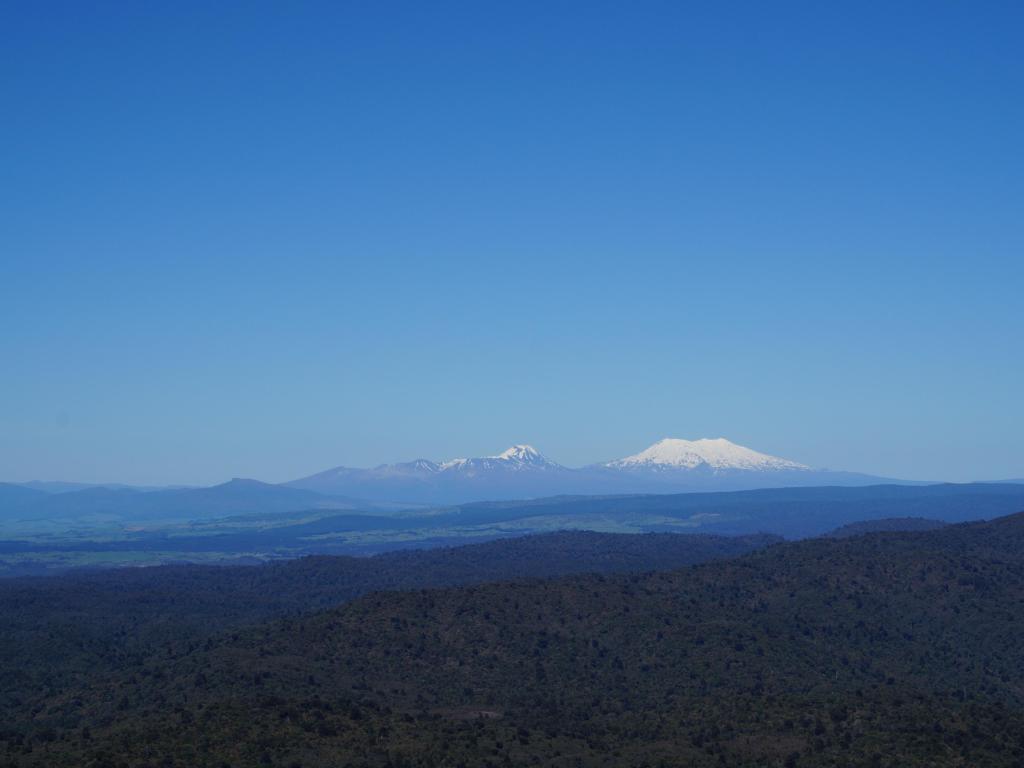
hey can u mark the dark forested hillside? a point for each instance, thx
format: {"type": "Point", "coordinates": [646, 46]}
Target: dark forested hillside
{"type": "Point", "coordinates": [886, 524]}
{"type": "Point", "coordinates": [894, 649]}
{"type": "Point", "coordinates": [61, 630]}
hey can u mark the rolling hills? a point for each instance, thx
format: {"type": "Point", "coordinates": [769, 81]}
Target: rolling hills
{"type": "Point", "coordinates": [887, 649]}
{"type": "Point", "coordinates": [60, 629]}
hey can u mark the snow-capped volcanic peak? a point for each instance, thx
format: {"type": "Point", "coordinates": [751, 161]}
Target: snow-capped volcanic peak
{"type": "Point", "coordinates": [717, 454]}
{"type": "Point", "coordinates": [516, 457]}
{"type": "Point", "coordinates": [526, 454]}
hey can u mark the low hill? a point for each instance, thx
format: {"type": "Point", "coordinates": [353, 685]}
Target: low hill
{"type": "Point", "coordinates": [131, 505]}
{"type": "Point", "coordinates": [13, 497]}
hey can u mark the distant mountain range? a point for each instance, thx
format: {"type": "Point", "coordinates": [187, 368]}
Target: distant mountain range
{"type": "Point", "coordinates": [670, 465]}
{"type": "Point", "coordinates": [519, 473]}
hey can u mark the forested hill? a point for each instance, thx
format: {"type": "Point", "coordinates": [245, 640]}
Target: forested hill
{"type": "Point", "coordinates": [886, 524]}
{"type": "Point", "coordinates": [889, 649]}
{"type": "Point", "coordinates": [59, 630]}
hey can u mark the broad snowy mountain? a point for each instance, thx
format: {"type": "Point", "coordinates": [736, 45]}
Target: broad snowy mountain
{"type": "Point", "coordinates": [718, 455]}
{"type": "Point", "coordinates": [522, 472]}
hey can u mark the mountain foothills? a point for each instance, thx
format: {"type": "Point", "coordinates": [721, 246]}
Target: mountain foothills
{"type": "Point", "coordinates": [884, 649]}
{"type": "Point", "coordinates": [522, 472]}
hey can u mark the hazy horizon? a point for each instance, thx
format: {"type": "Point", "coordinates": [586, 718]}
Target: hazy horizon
{"type": "Point", "coordinates": [183, 483]}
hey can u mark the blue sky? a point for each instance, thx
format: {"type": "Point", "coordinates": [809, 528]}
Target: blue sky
{"type": "Point", "coordinates": [263, 239]}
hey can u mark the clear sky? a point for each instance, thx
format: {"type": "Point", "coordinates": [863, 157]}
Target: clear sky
{"type": "Point", "coordinates": [262, 239]}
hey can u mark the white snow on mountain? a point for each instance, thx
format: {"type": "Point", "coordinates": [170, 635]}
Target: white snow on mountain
{"type": "Point", "coordinates": [522, 472]}
{"type": "Point", "coordinates": [514, 458]}
{"type": "Point", "coordinates": [717, 454]}
{"type": "Point", "coordinates": [525, 454]}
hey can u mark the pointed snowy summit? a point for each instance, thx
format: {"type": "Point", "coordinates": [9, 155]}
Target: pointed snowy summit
{"type": "Point", "coordinates": [516, 457]}
{"type": "Point", "coordinates": [717, 454]}
{"type": "Point", "coordinates": [524, 454]}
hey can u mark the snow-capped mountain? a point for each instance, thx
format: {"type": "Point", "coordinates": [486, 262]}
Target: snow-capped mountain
{"type": "Point", "coordinates": [718, 454]}
{"type": "Point", "coordinates": [518, 458]}
{"type": "Point", "coordinates": [518, 472]}
{"type": "Point", "coordinates": [521, 472]}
